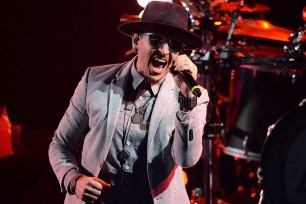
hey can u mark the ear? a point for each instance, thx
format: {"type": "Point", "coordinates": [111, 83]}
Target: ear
{"type": "Point", "coordinates": [135, 38]}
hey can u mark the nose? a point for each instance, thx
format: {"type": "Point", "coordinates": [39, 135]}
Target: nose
{"type": "Point", "coordinates": [164, 48]}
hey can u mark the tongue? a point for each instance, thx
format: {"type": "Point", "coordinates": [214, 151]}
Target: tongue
{"type": "Point", "coordinates": [156, 63]}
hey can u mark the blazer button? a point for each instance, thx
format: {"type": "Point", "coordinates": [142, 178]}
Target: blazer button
{"type": "Point", "coordinates": [190, 137]}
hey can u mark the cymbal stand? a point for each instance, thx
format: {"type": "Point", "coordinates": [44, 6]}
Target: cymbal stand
{"type": "Point", "coordinates": [213, 124]}
{"type": "Point", "coordinates": [234, 17]}
{"type": "Point", "coordinates": [205, 28]}
{"type": "Point", "coordinates": [225, 53]}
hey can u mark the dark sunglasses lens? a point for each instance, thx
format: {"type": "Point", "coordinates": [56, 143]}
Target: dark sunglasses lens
{"type": "Point", "coordinates": [176, 46]}
{"type": "Point", "coordinates": [156, 40]}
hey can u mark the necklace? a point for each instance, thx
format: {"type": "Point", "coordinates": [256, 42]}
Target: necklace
{"type": "Point", "coordinates": [138, 116]}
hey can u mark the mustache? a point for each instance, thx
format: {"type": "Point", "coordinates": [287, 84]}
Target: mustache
{"type": "Point", "coordinates": [157, 54]}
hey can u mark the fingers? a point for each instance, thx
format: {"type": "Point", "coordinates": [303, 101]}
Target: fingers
{"type": "Point", "coordinates": [183, 62]}
{"type": "Point", "coordinates": [88, 193]}
{"type": "Point", "coordinates": [89, 188]}
{"type": "Point", "coordinates": [88, 197]}
{"type": "Point", "coordinates": [103, 183]}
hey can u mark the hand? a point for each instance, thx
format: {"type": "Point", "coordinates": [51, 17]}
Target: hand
{"type": "Point", "coordinates": [89, 189]}
{"type": "Point", "coordinates": [184, 63]}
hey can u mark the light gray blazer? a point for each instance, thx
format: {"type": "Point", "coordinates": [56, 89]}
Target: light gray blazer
{"type": "Point", "coordinates": [92, 115]}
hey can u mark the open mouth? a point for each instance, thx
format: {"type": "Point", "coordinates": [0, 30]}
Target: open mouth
{"type": "Point", "coordinates": [158, 62]}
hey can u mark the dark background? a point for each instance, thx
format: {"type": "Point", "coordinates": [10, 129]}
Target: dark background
{"type": "Point", "coordinates": [45, 47]}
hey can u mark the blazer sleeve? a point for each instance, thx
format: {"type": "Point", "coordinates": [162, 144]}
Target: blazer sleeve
{"type": "Point", "coordinates": [69, 134]}
{"type": "Point", "coordinates": [189, 131]}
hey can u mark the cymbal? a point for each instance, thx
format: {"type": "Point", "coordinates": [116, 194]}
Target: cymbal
{"type": "Point", "coordinates": [231, 6]}
{"type": "Point", "coordinates": [259, 28]}
{"type": "Point", "coordinates": [257, 8]}
{"type": "Point", "coordinates": [129, 17]}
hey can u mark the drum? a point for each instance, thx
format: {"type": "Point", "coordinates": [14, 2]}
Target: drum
{"type": "Point", "coordinates": [258, 96]}
{"type": "Point", "coordinates": [283, 159]}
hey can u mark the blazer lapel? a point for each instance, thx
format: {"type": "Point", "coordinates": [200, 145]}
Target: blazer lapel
{"type": "Point", "coordinates": [161, 104]}
{"type": "Point", "coordinates": [117, 88]}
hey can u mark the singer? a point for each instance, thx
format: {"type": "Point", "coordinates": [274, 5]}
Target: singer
{"type": "Point", "coordinates": [139, 122]}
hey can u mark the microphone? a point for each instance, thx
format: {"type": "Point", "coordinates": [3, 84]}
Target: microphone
{"type": "Point", "coordinates": [191, 83]}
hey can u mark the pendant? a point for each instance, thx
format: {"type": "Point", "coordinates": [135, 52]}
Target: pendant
{"type": "Point", "coordinates": [123, 156]}
{"type": "Point", "coordinates": [144, 126]}
{"type": "Point", "coordinates": [137, 118]}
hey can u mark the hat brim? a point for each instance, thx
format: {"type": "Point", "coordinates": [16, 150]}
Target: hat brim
{"type": "Point", "coordinates": [190, 40]}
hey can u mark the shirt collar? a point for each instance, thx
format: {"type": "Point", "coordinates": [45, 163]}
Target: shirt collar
{"type": "Point", "coordinates": [138, 78]}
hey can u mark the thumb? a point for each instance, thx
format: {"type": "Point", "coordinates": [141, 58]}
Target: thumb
{"type": "Point", "coordinates": [103, 183]}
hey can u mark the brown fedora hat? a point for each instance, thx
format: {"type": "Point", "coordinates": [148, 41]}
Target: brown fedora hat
{"type": "Point", "coordinates": [165, 18]}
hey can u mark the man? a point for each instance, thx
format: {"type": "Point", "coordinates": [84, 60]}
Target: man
{"type": "Point", "coordinates": [138, 122]}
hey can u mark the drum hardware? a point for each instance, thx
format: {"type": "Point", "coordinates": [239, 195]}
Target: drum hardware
{"type": "Point", "coordinates": [234, 17]}
{"type": "Point", "coordinates": [259, 28]}
{"type": "Point", "coordinates": [260, 50]}
{"type": "Point", "coordinates": [257, 59]}
{"type": "Point", "coordinates": [195, 11]}
{"type": "Point", "coordinates": [296, 37]}
{"type": "Point", "coordinates": [269, 81]}
{"type": "Point", "coordinates": [210, 133]}
{"type": "Point", "coordinates": [230, 6]}
{"type": "Point", "coordinates": [244, 136]}
{"type": "Point", "coordinates": [240, 144]}
{"type": "Point", "coordinates": [279, 65]}
{"type": "Point", "coordinates": [228, 51]}
{"type": "Point", "coordinates": [203, 58]}
{"type": "Point", "coordinates": [293, 48]}
{"type": "Point", "coordinates": [259, 96]}
{"type": "Point", "coordinates": [226, 54]}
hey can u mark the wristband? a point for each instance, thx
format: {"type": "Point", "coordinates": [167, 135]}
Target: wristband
{"type": "Point", "coordinates": [72, 184]}
{"type": "Point", "coordinates": [187, 103]}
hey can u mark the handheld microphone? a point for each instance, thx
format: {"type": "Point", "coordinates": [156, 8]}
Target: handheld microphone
{"type": "Point", "coordinates": [191, 83]}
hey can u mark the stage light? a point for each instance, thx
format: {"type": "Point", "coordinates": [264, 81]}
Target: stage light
{"type": "Point", "coordinates": [143, 3]}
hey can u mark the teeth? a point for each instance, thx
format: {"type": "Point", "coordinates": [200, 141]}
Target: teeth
{"type": "Point", "coordinates": [160, 60]}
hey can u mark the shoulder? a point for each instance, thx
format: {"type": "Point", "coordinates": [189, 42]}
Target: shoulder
{"type": "Point", "coordinates": [104, 72]}
{"type": "Point", "coordinates": [105, 69]}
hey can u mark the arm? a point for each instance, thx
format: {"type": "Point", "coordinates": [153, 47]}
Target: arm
{"type": "Point", "coordinates": [189, 125]}
{"type": "Point", "coordinates": [68, 137]}
{"type": "Point", "coordinates": [189, 131]}
{"type": "Point", "coordinates": [72, 127]}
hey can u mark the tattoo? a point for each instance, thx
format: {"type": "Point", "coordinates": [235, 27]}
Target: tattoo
{"type": "Point", "coordinates": [180, 81]}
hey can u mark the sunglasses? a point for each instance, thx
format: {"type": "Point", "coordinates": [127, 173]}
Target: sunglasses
{"type": "Point", "coordinates": [157, 41]}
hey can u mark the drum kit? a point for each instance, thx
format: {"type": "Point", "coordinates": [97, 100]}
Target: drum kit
{"type": "Point", "coordinates": [254, 72]}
